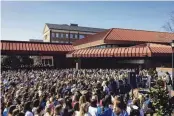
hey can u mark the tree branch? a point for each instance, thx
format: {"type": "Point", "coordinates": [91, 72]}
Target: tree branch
{"type": "Point", "coordinates": [169, 26]}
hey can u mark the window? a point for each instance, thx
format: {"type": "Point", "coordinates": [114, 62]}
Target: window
{"type": "Point", "coordinates": [102, 46]}
{"type": "Point", "coordinates": [67, 35]}
{"type": "Point", "coordinates": [114, 46]}
{"type": "Point", "coordinates": [71, 35]}
{"type": "Point", "coordinates": [57, 35]}
{"type": "Point", "coordinates": [52, 34]}
{"type": "Point", "coordinates": [49, 61]}
{"type": "Point", "coordinates": [61, 36]}
{"type": "Point", "coordinates": [81, 36]}
{"type": "Point", "coordinates": [46, 61]}
{"type": "Point", "coordinates": [42, 61]}
{"type": "Point", "coordinates": [76, 36]}
{"type": "Point", "coordinates": [108, 46]}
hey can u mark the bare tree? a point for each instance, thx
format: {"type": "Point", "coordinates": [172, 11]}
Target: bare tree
{"type": "Point", "coordinates": [169, 26]}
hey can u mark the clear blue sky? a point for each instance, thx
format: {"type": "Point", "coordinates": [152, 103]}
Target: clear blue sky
{"type": "Point", "coordinates": [25, 20]}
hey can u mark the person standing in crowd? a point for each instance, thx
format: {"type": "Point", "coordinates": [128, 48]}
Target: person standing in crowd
{"type": "Point", "coordinates": [168, 83]}
{"type": "Point", "coordinates": [105, 87]}
{"type": "Point", "coordinates": [93, 107]}
{"type": "Point", "coordinates": [35, 105]}
{"type": "Point", "coordinates": [148, 80]}
{"type": "Point", "coordinates": [84, 110]}
{"type": "Point", "coordinates": [118, 109]}
{"type": "Point", "coordinates": [82, 100]}
{"type": "Point", "coordinates": [15, 112]}
{"type": "Point", "coordinates": [6, 110]}
{"type": "Point", "coordinates": [10, 111]}
{"type": "Point", "coordinates": [28, 109]}
{"type": "Point", "coordinates": [134, 108]}
{"type": "Point", "coordinates": [104, 109]}
{"type": "Point", "coordinates": [57, 110]}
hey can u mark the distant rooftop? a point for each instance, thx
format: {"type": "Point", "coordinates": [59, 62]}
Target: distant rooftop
{"type": "Point", "coordinates": [74, 27]}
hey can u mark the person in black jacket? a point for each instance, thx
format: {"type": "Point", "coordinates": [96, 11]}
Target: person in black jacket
{"type": "Point", "coordinates": [113, 86]}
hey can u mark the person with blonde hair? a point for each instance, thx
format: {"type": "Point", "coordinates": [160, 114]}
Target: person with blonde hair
{"type": "Point", "coordinates": [141, 98]}
{"type": "Point", "coordinates": [84, 110]}
{"type": "Point", "coordinates": [82, 100]}
{"type": "Point", "coordinates": [47, 111]}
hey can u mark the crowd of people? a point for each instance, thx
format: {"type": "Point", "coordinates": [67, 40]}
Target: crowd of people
{"type": "Point", "coordinates": [71, 92]}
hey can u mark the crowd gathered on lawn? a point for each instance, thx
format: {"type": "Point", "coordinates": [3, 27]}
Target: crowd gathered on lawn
{"type": "Point", "coordinates": [76, 92]}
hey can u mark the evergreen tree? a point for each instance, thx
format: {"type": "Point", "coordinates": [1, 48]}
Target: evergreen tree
{"type": "Point", "coordinates": [160, 98]}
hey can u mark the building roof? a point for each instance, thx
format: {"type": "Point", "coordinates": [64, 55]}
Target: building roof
{"type": "Point", "coordinates": [139, 35]}
{"type": "Point", "coordinates": [73, 28]}
{"type": "Point", "coordinates": [143, 50]}
{"type": "Point", "coordinates": [159, 49]}
{"type": "Point", "coordinates": [128, 35]}
{"type": "Point", "coordinates": [91, 38]}
{"type": "Point", "coordinates": [17, 46]}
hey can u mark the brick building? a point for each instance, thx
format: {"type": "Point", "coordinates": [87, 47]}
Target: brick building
{"type": "Point", "coordinates": [63, 33]}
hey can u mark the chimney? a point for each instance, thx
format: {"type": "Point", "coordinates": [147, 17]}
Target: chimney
{"type": "Point", "coordinates": [74, 24]}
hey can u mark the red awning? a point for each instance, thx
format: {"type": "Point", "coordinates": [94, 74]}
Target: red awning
{"type": "Point", "coordinates": [111, 52]}
{"type": "Point", "coordinates": [144, 50]}
{"type": "Point", "coordinates": [17, 46]}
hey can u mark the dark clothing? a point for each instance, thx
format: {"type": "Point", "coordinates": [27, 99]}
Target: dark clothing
{"type": "Point", "coordinates": [113, 87]}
